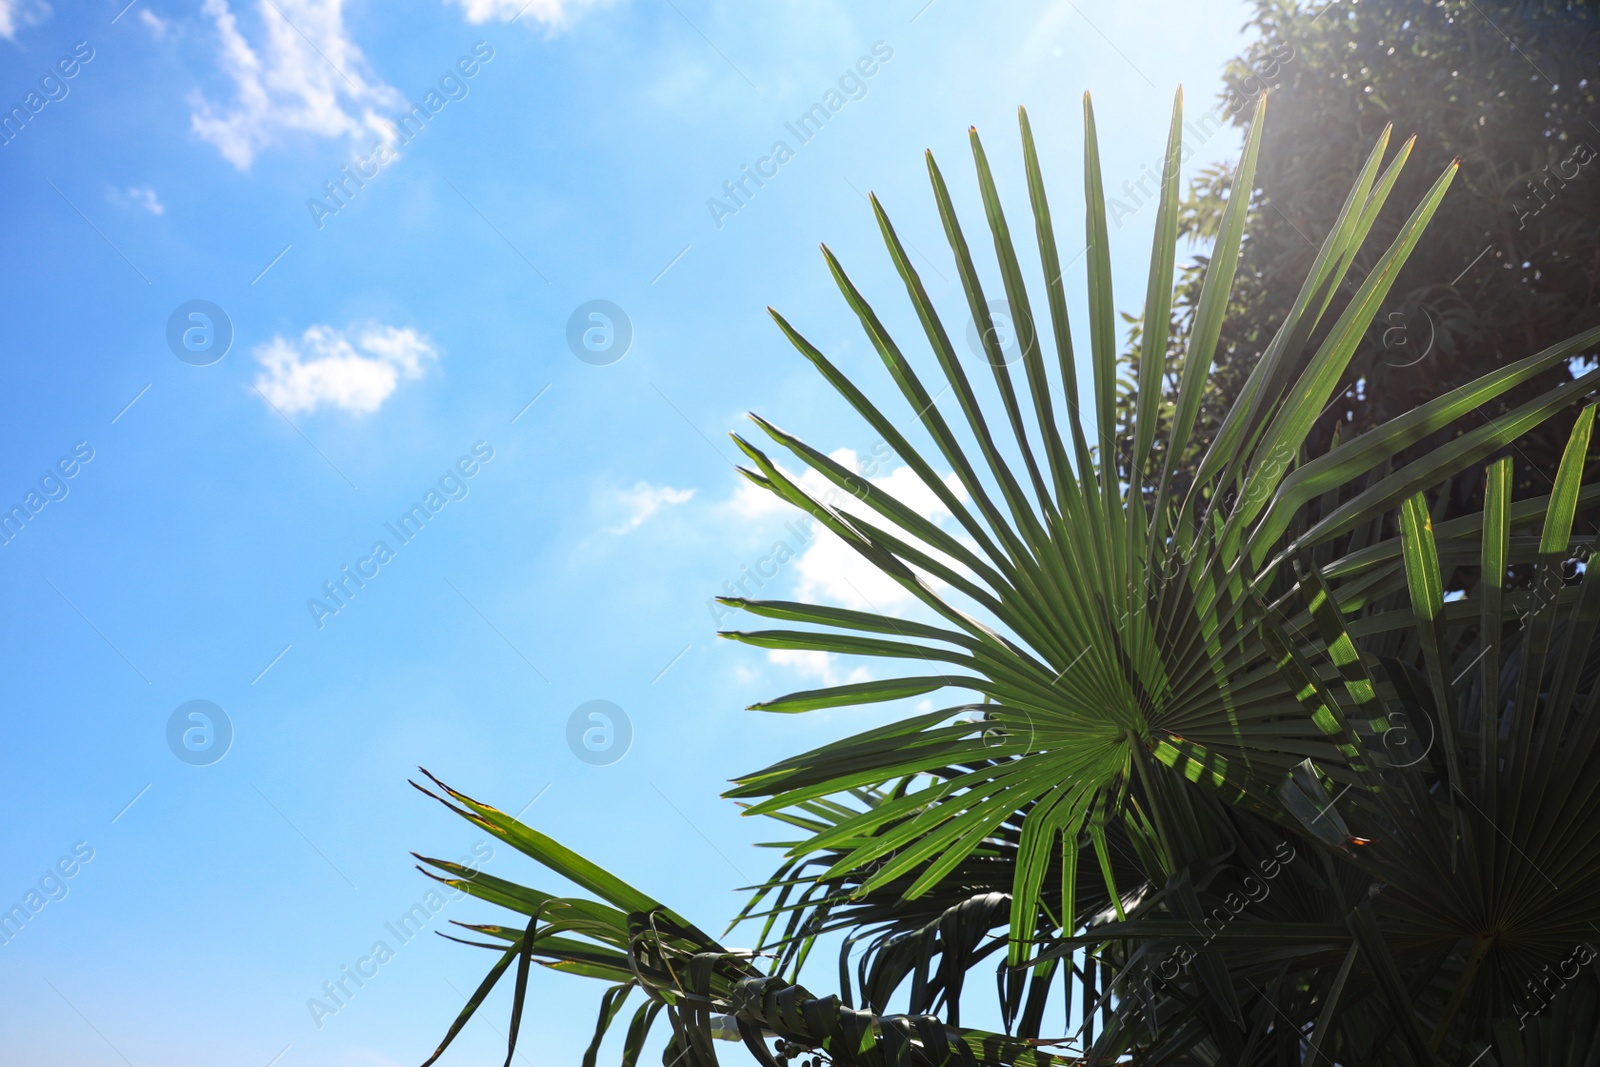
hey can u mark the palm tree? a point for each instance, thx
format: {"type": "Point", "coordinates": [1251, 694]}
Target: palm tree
{"type": "Point", "coordinates": [1217, 751]}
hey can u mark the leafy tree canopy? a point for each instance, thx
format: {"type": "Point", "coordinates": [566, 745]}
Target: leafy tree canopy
{"type": "Point", "coordinates": [1510, 262]}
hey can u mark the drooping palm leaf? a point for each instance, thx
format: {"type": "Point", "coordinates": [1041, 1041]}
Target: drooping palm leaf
{"type": "Point", "coordinates": [707, 991]}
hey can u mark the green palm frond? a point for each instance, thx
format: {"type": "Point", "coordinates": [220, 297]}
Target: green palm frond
{"type": "Point", "coordinates": [1107, 627]}
{"type": "Point", "coordinates": [1253, 760]}
{"type": "Point", "coordinates": [708, 992]}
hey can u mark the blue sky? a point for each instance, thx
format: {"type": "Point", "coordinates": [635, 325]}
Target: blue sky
{"type": "Point", "coordinates": [408, 337]}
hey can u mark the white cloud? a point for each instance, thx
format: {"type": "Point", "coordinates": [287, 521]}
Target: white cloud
{"type": "Point", "coordinates": [142, 197]}
{"type": "Point", "coordinates": [15, 14]}
{"type": "Point", "coordinates": [823, 666]}
{"type": "Point", "coordinates": [293, 83]}
{"type": "Point", "coordinates": [355, 371]}
{"type": "Point", "coordinates": [751, 501]}
{"type": "Point", "coordinates": [155, 23]}
{"type": "Point", "coordinates": [826, 570]}
{"type": "Point", "coordinates": [830, 571]}
{"type": "Point", "coordinates": [644, 500]}
{"type": "Point", "coordinates": [553, 13]}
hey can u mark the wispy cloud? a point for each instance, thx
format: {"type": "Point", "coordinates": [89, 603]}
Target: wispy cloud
{"type": "Point", "coordinates": [355, 371]}
{"type": "Point", "coordinates": [553, 13]}
{"type": "Point", "coordinates": [15, 14]}
{"type": "Point", "coordinates": [157, 25]}
{"type": "Point", "coordinates": [829, 571]}
{"type": "Point", "coordinates": [307, 76]}
{"type": "Point", "coordinates": [823, 666]}
{"type": "Point", "coordinates": [141, 197]}
{"type": "Point", "coordinates": [644, 500]}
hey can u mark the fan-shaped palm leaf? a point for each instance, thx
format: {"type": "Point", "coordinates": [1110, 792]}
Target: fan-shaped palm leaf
{"type": "Point", "coordinates": [1107, 628]}
{"type": "Point", "coordinates": [1162, 692]}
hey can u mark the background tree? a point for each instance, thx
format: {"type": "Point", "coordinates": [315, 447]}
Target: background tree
{"type": "Point", "coordinates": [1511, 263]}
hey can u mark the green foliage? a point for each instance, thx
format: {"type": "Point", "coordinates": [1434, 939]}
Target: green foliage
{"type": "Point", "coordinates": [1215, 755]}
{"type": "Point", "coordinates": [1510, 90]}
